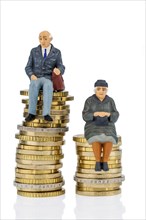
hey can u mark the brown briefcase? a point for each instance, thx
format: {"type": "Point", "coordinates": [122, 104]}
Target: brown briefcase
{"type": "Point", "coordinates": [58, 82]}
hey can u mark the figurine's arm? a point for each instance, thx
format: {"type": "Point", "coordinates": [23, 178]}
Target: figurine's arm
{"type": "Point", "coordinates": [86, 113]}
{"type": "Point", "coordinates": [114, 114]}
{"type": "Point", "coordinates": [59, 64]}
{"type": "Point", "coordinates": [28, 68]}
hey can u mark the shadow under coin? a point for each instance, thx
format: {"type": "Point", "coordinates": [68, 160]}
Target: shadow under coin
{"type": "Point", "coordinates": [109, 207]}
{"type": "Point", "coordinates": [39, 208]}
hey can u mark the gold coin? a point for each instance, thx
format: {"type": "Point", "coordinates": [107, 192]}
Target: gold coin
{"type": "Point", "coordinates": [93, 158]}
{"type": "Point", "coordinates": [98, 185]}
{"type": "Point", "coordinates": [55, 152]}
{"type": "Point", "coordinates": [55, 98]}
{"type": "Point", "coordinates": [91, 154]}
{"type": "Point", "coordinates": [62, 113]}
{"type": "Point", "coordinates": [48, 134]}
{"type": "Point", "coordinates": [38, 162]}
{"type": "Point", "coordinates": [35, 172]}
{"type": "Point", "coordinates": [102, 173]}
{"type": "Point", "coordinates": [62, 93]}
{"type": "Point", "coordinates": [39, 190]}
{"type": "Point", "coordinates": [68, 98]}
{"type": "Point", "coordinates": [41, 194]}
{"type": "Point", "coordinates": [39, 148]}
{"type": "Point", "coordinates": [109, 193]}
{"type": "Point", "coordinates": [55, 109]}
{"type": "Point", "coordinates": [54, 103]}
{"type": "Point", "coordinates": [59, 107]}
{"type": "Point", "coordinates": [45, 125]}
{"type": "Point", "coordinates": [37, 138]}
{"type": "Point", "coordinates": [98, 176]}
{"type": "Point", "coordinates": [38, 176]}
{"type": "Point", "coordinates": [38, 144]}
{"type": "Point", "coordinates": [92, 166]}
{"type": "Point", "coordinates": [40, 119]}
{"type": "Point", "coordinates": [86, 147]}
{"type": "Point", "coordinates": [55, 120]}
{"type": "Point", "coordinates": [79, 138]}
{"type": "Point", "coordinates": [39, 181]}
{"type": "Point", "coordinates": [90, 189]}
{"type": "Point", "coordinates": [82, 139]}
{"type": "Point", "coordinates": [39, 157]}
{"type": "Point", "coordinates": [93, 162]}
{"type": "Point", "coordinates": [39, 167]}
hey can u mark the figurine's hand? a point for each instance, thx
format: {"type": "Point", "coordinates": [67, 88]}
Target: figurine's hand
{"type": "Point", "coordinates": [56, 71]}
{"type": "Point", "coordinates": [101, 114]}
{"type": "Point", "coordinates": [107, 114]}
{"type": "Point", "coordinates": [33, 77]}
{"type": "Point", "coordinates": [98, 114]}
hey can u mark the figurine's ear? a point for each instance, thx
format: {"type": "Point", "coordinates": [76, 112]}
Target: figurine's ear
{"type": "Point", "coordinates": [50, 36]}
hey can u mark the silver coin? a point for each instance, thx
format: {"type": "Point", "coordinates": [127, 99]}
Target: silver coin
{"type": "Point", "coordinates": [38, 186]}
{"type": "Point", "coordinates": [100, 181]}
{"type": "Point", "coordinates": [51, 130]}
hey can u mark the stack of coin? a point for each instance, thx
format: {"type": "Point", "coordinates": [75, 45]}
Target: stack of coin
{"type": "Point", "coordinates": [39, 151]}
{"type": "Point", "coordinates": [101, 183]}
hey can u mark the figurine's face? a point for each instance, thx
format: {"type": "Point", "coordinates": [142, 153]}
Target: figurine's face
{"type": "Point", "coordinates": [101, 92]}
{"type": "Point", "coordinates": [45, 39]}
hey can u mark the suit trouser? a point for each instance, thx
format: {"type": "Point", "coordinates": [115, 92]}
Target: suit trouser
{"type": "Point", "coordinates": [34, 88]}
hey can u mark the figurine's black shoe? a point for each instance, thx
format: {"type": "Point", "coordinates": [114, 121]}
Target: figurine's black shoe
{"type": "Point", "coordinates": [30, 117]}
{"type": "Point", "coordinates": [97, 166]}
{"type": "Point", "coordinates": [48, 118]}
{"type": "Point", "coordinates": [105, 166]}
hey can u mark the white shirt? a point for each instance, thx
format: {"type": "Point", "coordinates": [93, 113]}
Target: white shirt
{"type": "Point", "coordinates": [48, 50]}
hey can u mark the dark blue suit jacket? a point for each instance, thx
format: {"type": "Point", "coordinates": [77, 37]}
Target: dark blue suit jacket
{"type": "Point", "coordinates": [41, 67]}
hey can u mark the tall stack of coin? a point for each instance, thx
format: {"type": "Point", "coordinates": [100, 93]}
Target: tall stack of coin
{"type": "Point", "coordinates": [39, 151]}
{"type": "Point", "coordinates": [92, 183]}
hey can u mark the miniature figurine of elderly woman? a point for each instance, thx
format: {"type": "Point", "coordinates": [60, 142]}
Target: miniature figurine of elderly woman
{"type": "Point", "coordinates": [100, 114]}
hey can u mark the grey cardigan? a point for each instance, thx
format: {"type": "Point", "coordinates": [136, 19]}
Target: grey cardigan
{"type": "Point", "coordinates": [41, 67]}
{"type": "Point", "coordinates": [93, 104]}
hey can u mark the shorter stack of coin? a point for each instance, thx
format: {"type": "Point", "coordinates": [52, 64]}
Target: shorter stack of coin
{"type": "Point", "coordinates": [39, 151]}
{"type": "Point", "coordinates": [102, 183]}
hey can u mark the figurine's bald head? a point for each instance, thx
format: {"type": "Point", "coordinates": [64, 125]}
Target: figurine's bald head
{"type": "Point", "coordinates": [45, 39]}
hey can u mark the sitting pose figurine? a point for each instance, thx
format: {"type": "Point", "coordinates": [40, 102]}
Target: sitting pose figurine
{"type": "Point", "coordinates": [43, 60]}
{"type": "Point", "coordinates": [100, 114]}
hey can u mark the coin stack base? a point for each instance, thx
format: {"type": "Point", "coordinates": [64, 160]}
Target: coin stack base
{"type": "Point", "coordinates": [90, 182]}
{"type": "Point", "coordinates": [39, 152]}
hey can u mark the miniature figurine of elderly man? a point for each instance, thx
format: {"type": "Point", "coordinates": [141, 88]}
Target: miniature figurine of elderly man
{"type": "Point", "coordinates": [43, 60]}
{"type": "Point", "coordinates": [100, 114]}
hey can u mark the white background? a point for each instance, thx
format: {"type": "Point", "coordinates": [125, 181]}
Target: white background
{"type": "Point", "coordinates": [98, 40]}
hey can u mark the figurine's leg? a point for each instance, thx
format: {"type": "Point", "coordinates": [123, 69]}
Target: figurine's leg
{"type": "Point", "coordinates": [107, 148]}
{"type": "Point", "coordinates": [96, 146]}
{"type": "Point", "coordinates": [47, 96]}
{"type": "Point", "coordinates": [34, 88]}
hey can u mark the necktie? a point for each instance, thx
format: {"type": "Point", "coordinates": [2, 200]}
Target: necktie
{"type": "Point", "coordinates": [45, 53]}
